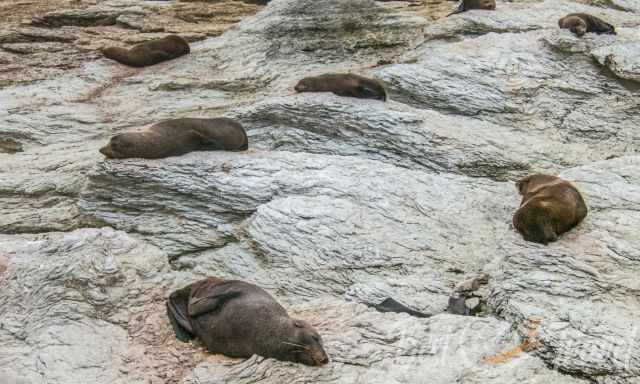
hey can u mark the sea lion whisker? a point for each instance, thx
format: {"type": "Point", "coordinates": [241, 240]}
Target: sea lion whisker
{"type": "Point", "coordinates": [295, 345]}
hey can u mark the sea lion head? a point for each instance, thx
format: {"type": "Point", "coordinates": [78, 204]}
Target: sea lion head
{"type": "Point", "coordinates": [120, 146]}
{"type": "Point", "coordinates": [534, 224]}
{"type": "Point", "coordinates": [181, 45]}
{"type": "Point", "coordinates": [487, 4]}
{"type": "Point", "coordinates": [306, 85]}
{"type": "Point", "coordinates": [575, 24]}
{"type": "Point", "coordinates": [305, 345]}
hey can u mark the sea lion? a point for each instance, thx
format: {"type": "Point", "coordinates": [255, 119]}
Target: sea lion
{"type": "Point", "coordinates": [177, 137]}
{"type": "Point", "coordinates": [550, 207]}
{"type": "Point", "coordinates": [391, 305]}
{"type": "Point", "coordinates": [149, 53]}
{"type": "Point", "coordinates": [581, 23]}
{"type": "Point", "coordinates": [239, 319]}
{"type": "Point", "coordinates": [343, 84]}
{"type": "Point", "coordinates": [467, 5]}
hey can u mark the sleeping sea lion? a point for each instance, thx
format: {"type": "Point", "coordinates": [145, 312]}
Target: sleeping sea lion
{"type": "Point", "coordinates": [467, 5]}
{"type": "Point", "coordinates": [343, 84]}
{"type": "Point", "coordinates": [177, 137]}
{"type": "Point", "coordinates": [239, 319]}
{"type": "Point", "coordinates": [550, 206]}
{"type": "Point", "coordinates": [150, 52]}
{"type": "Point", "coordinates": [581, 23]}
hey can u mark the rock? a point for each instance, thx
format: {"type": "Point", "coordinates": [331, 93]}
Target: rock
{"type": "Point", "coordinates": [339, 204]}
{"type": "Point", "coordinates": [88, 306]}
{"type": "Point", "coordinates": [71, 304]}
{"type": "Point", "coordinates": [580, 287]}
{"type": "Point", "coordinates": [41, 196]}
{"type": "Point", "coordinates": [621, 59]}
{"type": "Point", "coordinates": [546, 100]}
{"type": "Point", "coordinates": [34, 35]}
{"type": "Point", "coordinates": [400, 135]}
{"type": "Point", "coordinates": [312, 216]}
{"type": "Point", "coordinates": [95, 16]}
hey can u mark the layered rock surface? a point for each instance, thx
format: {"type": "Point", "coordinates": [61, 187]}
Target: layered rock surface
{"type": "Point", "coordinates": [339, 204]}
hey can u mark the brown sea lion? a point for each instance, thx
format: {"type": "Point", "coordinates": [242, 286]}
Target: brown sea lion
{"type": "Point", "coordinates": [343, 84]}
{"type": "Point", "coordinates": [550, 207]}
{"type": "Point", "coordinates": [239, 319]}
{"type": "Point", "coordinates": [467, 5]}
{"type": "Point", "coordinates": [581, 23]}
{"type": "Point", "coordinates": [177, 137]}
{"type": "Point", "coordinates": [150, 52]}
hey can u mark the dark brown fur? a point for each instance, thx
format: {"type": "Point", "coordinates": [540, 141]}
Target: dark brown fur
{"type": "Point", "coordinates": [177, 137]}
{"type": "Point", "coordinates": [239, 319]}
{"type": "Point", "coordinates": [150, 52]}
{"type": "Point", "coordinates": [467, 5]}
{"type": "Point", "coordinates": [347, 84]}
{"type": "Point", "coordinates": [581, 23]}
{"type": "Point", "coordinates": [550, 207]}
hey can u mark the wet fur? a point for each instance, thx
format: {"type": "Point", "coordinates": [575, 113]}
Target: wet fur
{"type": "Point", "coordinates": [178, 137]}
{"type": "Point", "coordinates": [349, 85]}
{"type": "Point", "coordinates": [239, 319]}
{"type": "Point", "coordinates": [581, 23]}
{"type": "Point", "coordinates": [467, 5]}
{"type": "Point", "coordinates": [150, 52]}
{"type": "Point", "coordinates": [550, 207]}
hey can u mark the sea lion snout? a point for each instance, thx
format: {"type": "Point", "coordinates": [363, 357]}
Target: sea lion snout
{"type": "Point", "coordinates": [489, 4]}
{"type": "Point", "coordinates": [321, 358]}
{"type": "Point", "coordinates": [300, 87]}
{"type": "Point", "coordinates": [107, 151]}
{"type": "Point", "coordinates": [579, 30]}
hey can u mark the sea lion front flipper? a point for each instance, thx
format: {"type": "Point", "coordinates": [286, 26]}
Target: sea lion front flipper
{"type": "Point", "coordinates": [208, 141]}
{"type": "Point", "coordinates": [202, 305]}
{"type": "Point", "coordinates": [159, 56]}
{"type": "Point", "coordinates": [177, 313]}
{"type": "Point", "coordinates": [370, 93]}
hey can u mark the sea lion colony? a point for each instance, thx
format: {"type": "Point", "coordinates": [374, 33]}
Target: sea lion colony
{"type": "Point", "coordinates": [222, 313]}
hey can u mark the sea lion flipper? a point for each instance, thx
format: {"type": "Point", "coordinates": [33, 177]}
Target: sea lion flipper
{"type": "Point", "coordinates": [207, 140]}
{"type": "Point", "coordinates": [370, 93]}
{"type": "Point", "coordinates": [158, 56]}
{"type": "Point", "coordinates": [177, 313]}
{"type": "Point", "coordinates": [202, 305]}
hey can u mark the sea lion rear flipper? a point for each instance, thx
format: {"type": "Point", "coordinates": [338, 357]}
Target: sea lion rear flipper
{"type": "Point", "coordinates": [202, 305]}
{"type": "Point", "coordinates": [178, 314]}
